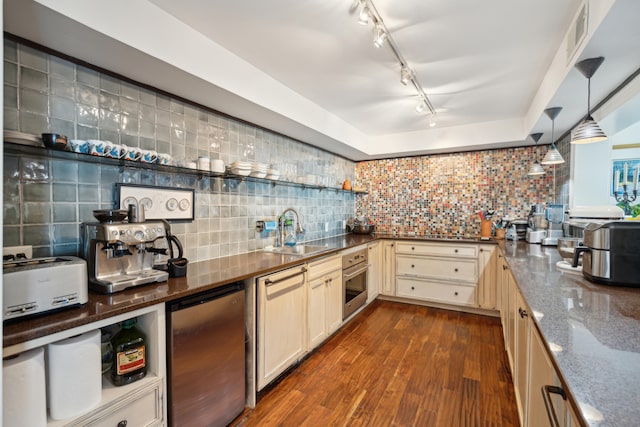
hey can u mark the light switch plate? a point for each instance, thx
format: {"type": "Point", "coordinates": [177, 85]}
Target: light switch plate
{"type": "Point", "coordinates": [173, 204]}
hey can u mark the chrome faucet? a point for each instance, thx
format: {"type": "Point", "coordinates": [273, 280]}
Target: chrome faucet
{"type": "Point", "coordinates": [281, 225]}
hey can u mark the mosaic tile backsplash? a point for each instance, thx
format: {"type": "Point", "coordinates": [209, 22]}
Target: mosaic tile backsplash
{"type": "Point", "coordinates": [442, 194]}
{"type": "Point", "coordinates": [45, 199]}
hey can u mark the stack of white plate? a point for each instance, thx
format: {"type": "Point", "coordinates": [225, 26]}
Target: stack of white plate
{"type": "Point", "coordinates": [273, 174]}
{"type": "Point", "coordinates": [259, 170]}
{"type": "Point", "coordinates": [22, 138]}
{"type": "Point", "coordinates": [240, 168]}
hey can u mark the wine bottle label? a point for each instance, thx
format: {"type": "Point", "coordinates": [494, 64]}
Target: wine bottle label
{"type": "Point", "coordinates": [130, 360]}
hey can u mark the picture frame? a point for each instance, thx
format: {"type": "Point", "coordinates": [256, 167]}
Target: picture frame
{"type": "Point", "coordinates": [618, 173]}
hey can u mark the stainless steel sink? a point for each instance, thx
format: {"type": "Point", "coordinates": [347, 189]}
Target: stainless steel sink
{"type": "Point", "coordinates": [300, 250]}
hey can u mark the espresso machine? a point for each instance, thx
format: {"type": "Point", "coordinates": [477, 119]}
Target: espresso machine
{"type": "Point", "coordinates": [120, 254]}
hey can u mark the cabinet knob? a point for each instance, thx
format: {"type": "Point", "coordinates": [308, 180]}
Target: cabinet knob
{"type": "Point", "coordinates": [122, 423]}
{"type": "Point", "coordinates": [455, 269]}
{"type": "Point", "coordinates": [455, 250]}
{"type": "Point", "coordinates": [523, 313]}
{"type": "Point", "coordinates": [412, 248]}
{"type": "Point", "coordinates": [413, 288]}
{"type": "Point", "coordinates": [481, 250]}
{"type": "Point", "coordinates": [504, 267]}
{"type": "Point", "coordinates": [412, 266]}
{"type": "Point", "coordinates": [455, 293]}
{"type": "Point", "coordinates": [392, 245]}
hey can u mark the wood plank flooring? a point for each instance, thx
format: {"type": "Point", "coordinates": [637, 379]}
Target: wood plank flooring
{"type": "Point", "coordinates": [398, 365]}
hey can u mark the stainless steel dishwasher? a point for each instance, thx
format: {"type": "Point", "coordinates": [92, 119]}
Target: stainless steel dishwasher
{"type": "Point", "coordinates": [206, 357]}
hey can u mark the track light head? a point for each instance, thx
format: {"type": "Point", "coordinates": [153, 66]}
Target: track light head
{"type": "Point", "coordinates": [421, 106]}
{"type": "Point", "coordinates": [379, 36]}
{"type": "Point", "coordinates": [405, 75]}
{"type": "Point", "coordinates": [363, 17]}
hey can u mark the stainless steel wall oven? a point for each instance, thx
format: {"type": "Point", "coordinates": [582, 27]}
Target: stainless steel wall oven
{"type": "Point", "coordinates": [354, 280]}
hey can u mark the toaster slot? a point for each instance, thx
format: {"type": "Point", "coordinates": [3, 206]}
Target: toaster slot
{"type": "Point", "coordinates": [20, 310]}
{"type": "Point", "coordinates": [65, 300]}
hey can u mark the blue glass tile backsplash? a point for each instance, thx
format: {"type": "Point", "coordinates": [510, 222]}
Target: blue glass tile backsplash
{"type": "Point", "coordinates": [45, 200]}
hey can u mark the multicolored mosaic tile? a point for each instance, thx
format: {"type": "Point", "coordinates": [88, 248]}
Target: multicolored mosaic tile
{"type": "Point", "coordinates": [442, 194]}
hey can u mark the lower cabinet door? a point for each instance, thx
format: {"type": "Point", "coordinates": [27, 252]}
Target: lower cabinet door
{"type": "Point", "coordinates": [436, 291]}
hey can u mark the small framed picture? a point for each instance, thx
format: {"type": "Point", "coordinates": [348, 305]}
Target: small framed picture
{"type": "Point", "coordinates": [624, 172]}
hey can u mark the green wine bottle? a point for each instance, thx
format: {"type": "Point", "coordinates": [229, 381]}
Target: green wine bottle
{"type": "Point", "coordinates": [129, 354]}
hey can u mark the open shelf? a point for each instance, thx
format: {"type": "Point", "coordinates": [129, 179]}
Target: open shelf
{"type": "Point", "coordinates": [21, 150]}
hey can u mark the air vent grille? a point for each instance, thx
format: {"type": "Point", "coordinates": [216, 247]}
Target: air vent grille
{"type": "Point", "coordinates": [577, 31]}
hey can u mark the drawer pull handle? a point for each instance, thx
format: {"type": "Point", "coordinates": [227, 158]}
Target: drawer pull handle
{"type": "Point", "coordinates": [523, 313]}
{"type": "Point", "coordinates": [122, 423]}
{"type": "Point", "coordinates": [548, 404]}
{"type": "Point", "coordinates": [504, 267]}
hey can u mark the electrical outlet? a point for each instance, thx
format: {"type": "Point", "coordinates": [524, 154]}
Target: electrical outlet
{"type": "Point", "coordinates": [326, 227]}
{"type": "Point", "coordinates": [27, 250]}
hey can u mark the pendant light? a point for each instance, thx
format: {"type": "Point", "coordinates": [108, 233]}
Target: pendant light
{"type": "Point", "coordinates": [588, 131]}
{"type": "Point", "coordinates": [553, 156]}
{"type": "Point", "coordinates": [536, 168]}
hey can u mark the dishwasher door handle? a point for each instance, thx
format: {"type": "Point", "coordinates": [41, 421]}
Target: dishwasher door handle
{"type": "Point", "coordinates": [269, 282]}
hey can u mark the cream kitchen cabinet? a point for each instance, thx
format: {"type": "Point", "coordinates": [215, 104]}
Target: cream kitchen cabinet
{"type": "Point", "coordinates": [281, 322]}
{"type": "Point", "coordinates": [520, 366]}
{"type": "Point", "coordinates": [388, 268]}
{"type": "Point", "coordinates": [325, 299]}
{"type": "Point", "coordinates": [543, 380]}
{"type": "Point", "coordinates": [488, 277]}
{"type": "Point", "coordinates": [139, 403]}
{"type": "Point", "coordinates": [505, 306]}
{"type": "Point", "coordinates": [451, 273]}
{"type": "Point", "coordinates": [374, 274]}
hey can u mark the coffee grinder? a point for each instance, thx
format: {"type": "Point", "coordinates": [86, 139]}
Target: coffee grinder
{"type": "Point", "coordinates": [554, 214]}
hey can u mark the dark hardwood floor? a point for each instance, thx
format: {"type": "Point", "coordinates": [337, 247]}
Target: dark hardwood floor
{"type": "Point", "coordinates": [398, 365]}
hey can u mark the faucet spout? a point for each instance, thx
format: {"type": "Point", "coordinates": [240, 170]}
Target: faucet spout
{"type": "Point", "coordinates": [281, 225]}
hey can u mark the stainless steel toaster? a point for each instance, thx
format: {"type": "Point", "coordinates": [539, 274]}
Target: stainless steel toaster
{"type": "Point", "coordinates": [611, 253]}
{"type": "Point", "coordinates": [34, 286]}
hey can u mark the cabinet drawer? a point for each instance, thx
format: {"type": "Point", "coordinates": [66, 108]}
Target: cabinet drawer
{"type": "Point", "coordinates": [436, 291]}
{"type": "Point", "coordinates": [438, 249]}
{"type": "Point", "coordinates": [324, 266]}
{"type": "Point", "coordinates": [456, 270]}
{"type": "Point", "coordinates": [139, 408]}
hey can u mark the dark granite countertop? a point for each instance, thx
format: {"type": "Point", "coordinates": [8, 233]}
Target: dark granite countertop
{"type": "Point", "coordinates": [201, 276]}
{"type": "Point", "coordinates": [591, 330]}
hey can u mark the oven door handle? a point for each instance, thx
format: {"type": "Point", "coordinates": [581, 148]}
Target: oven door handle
{"type": "Point", "coordinates": [349, 276]}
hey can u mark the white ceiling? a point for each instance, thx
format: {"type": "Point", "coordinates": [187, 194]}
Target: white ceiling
{"type": "Point", "coordinates": [478, 61]}
{"type": "Point", "coordinates": [308, 70]}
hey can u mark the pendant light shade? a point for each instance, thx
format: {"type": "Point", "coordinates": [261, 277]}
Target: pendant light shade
{"type": "Point", "coordinates": [553, 156]}
{"type": "Point", "coordinates": [588, 131]}
{"type": "Point", "coordinates": [535, 168]}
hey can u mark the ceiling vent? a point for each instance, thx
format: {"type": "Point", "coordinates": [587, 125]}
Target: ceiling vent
{"type": "Point", "coordinates": [577, 31]}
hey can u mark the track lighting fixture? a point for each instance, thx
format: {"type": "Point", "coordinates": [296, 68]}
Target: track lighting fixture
{"type": "Point", "coordinates": [363, 17]}
{"type": "Point", "coordinates": [368, 12]}
{"type": "Point", "coordinates": [379, 36]}
{"type": "Point", "coordinates": [405, 75]}
{"type": "Point", "coordinates": [588, 131]}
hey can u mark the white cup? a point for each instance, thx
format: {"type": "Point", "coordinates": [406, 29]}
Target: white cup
{"type": "Point", "coordinates": [203, 163]}
{"type": "Point", "coordinates": [217, 166]}
{"type": "Point", "coordinates": [164, 158]}
{"type": "Point", "coordinates": [149, 156]}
